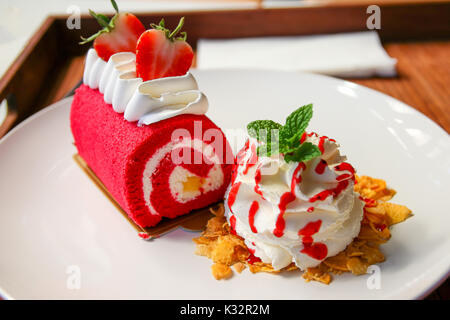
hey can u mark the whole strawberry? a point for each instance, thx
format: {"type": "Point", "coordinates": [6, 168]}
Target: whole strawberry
{"type": "Point", "coordinates": [162, 53]}
{"type": "Point", "coordinates": [119, 34]}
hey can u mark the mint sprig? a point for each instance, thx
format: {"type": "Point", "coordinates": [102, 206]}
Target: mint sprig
{"type": "Point", "coordinates": [296, 123]}
{"type": "Point", "coordinates": [306, 151]}
{"type": "Point", "coordinates": [277, 138]}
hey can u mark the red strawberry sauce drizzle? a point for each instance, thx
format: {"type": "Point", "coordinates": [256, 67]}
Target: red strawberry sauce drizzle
{"type": "Point", "coordinates": [321, 143]}
{"type": "Point", "coordinates": [252, 258]}
{"type": "Point", "coordinates": [232, 194]}
{"type": "Point", "coordinates": [368, 202]}
{"type": "Point", "coordinates": [144, 235]}
{"type": "Point", "coordinates": [316, 250]}
{"type": "Point", "coordinates": [257, 182]}
{"type": "Point", "coordinates": [252, 159]}
{"type": "Point", "coordinates": [297, 176]}
{"type": "Point", "coordinates": [280, 224]}
{"type": "Point", "coordinates": [251, 215]}
{"type": "Point", "coordinates": [233, 224]}
{"type": "Point", "coordinates": [320, 168]}
{"type": "Point", "coordinates": [235, 187]}
{"type": "Point", "coordinates": [344, 166]}
{"type": "Point", "coordinates": [241, 154]}
{"type": "Point", "coordinates": [303, 138]}
{"type": "Point", "coordinates": [238, 161]}
{"type": "Point", "coordinates": [287, 198]}
{"type": "Point", "coordinates": [342, 182]}
{"type": "Point", "coordinates": [322, 140]}
{"type": "Point", "coordinates": [321, 196]}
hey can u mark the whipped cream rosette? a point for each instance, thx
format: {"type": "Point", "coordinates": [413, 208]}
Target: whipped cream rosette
{"type": "Point", "coordinates": [298, 204]}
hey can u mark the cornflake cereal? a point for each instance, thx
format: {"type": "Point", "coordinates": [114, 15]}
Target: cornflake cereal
{"type": "Point", "coordinates": [221, 271]}
{"type": "Point", "coordinates": [226, 249]}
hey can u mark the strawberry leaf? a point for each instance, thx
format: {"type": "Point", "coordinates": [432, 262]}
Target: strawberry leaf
{"type": "Point", "coordinates": [104, 21]}
{"type": "Point", "coordinates": [171, 35]}
{"type": "Point", "coordinates": [114, 4]}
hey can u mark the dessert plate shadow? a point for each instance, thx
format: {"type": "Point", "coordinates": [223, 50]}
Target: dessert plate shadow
{"type": "Point", "coordinates": [61, 238]}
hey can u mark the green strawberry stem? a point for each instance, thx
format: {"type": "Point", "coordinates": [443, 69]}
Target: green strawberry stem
{"type": "Point", "coordinates": [114, 4]}
{"type": "Point", "coordinates": [107, 24]}
{"type": "Point", "coordinates": [171, 34]}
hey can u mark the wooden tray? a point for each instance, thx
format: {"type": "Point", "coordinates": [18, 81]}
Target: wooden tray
{"type": "Point", "coordinates": [416, 34]}
{"type": "Point", "coordinates": [52, 62]}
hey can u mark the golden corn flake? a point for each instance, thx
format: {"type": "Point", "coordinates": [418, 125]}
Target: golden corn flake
{"type": "Point", "coordinates": [215, 226]}
{"type": "Point", "coordinates": [375, 189]}
{"type": "Point", "coordinates": [203, 250]}
{"type": "Point", "coordinates": [338, 262]}
{"type": "Point", "coordinates": [372, 254]}
{"type": "Point", "coordinates": [396, 213]}
{"type": "Point", "coordinates": [221, 271]}
{"type": "Point", "coordinates": [256, 267]}
{"type": "Point", "coordinates": [357, 266]}
{"type": "Point", "coordinates": [239, 267]}
{"type": "Point", "coordinates": [369, 233]}
{"type": "Point", "coordinates": [317, 274]}
{"type": "Point", "coordinates": [290, 267]}
{"type": "Point", "coordinates": [226, 249]}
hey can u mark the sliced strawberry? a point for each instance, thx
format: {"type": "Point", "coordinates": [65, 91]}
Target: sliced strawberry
{"type": "Point", "coordinates": [160, 53]}
{"type": "Point", "coordinates": [120, 34]}
{"type": "Point", "coordinates": [122, 38]}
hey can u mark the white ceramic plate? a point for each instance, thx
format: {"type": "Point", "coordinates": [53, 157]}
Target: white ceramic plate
{"type": "Point", "coordinates": [56, 225]}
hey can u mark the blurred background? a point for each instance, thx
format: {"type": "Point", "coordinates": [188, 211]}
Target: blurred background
{"type": "Point", "coordinates": [19, 19]}
{"type": "Point", "coordinates": [399, 47]}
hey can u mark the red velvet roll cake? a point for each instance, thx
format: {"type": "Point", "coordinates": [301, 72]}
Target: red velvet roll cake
{"type": "Point", "coordinates": [139, 123]}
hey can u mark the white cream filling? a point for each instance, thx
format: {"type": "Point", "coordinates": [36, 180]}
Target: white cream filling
{"type": "Point", "coordinates": [180, 174]}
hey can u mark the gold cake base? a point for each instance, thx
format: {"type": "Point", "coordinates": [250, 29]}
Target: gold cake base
{"type": "Point", "coordinates": [193, 221]}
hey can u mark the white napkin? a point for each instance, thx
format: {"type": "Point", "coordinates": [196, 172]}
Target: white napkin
{"type": "Point", "coordinates": [357, 54]}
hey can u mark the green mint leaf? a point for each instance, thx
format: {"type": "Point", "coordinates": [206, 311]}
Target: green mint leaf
{"type": "Point", "coordinates": [306, 151]}
{"type": "Point", "coordinates": [279, 139]}
{"type": "Point", "coordinates": [261, 130]}
{"type": "Point", "coordinates": [272, 147]}
{"type": "Point", "coordinates": [296, 123]}
{"type": "Point", "coordinates": [287, 139]}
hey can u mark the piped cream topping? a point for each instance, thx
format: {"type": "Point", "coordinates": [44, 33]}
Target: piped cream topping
{"type": "Point", "coordinates": [146, 102]}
